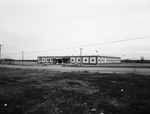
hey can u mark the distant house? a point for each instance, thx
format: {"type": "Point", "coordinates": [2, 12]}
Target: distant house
{"type": "Point", "coordinates": [85, 60]}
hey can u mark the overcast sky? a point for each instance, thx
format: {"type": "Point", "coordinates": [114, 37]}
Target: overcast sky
{"type": "Point", "coordinates": [44, 25]}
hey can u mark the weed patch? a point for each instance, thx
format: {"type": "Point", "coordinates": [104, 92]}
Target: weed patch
{"type": "Point", "coordinates": [47, 92]}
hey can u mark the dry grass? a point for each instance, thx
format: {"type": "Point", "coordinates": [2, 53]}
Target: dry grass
{"type": "Point", "coordinates": [48, 92]}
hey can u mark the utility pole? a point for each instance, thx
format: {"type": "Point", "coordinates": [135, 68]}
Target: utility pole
{"type": "Point", "coordinates": [81, 56]}
{"type": "Point", "coordinates": [0, 52]}
{"type": "Point", "coordinates": [22, 57]}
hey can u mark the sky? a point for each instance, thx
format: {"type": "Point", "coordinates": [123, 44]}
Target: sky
{"type": "Point", "coordinates": [62, 27]}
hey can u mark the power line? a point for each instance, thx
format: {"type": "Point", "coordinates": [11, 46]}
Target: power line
{"type": "Point", "coordinates": [92, 44]}
{"type": "Point", "coordinates": [128, 25]}
{"type": "Point", "coordinates": [12, 54]}
{"type": "Point", "coordinates": [116, 41]}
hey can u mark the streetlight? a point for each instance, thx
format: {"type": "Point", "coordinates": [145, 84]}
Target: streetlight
{"type": "Point", "coordinates": [97, 52]}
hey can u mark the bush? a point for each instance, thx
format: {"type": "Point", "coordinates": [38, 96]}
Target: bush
{"type": "Point", "coordinates": [7, 61]}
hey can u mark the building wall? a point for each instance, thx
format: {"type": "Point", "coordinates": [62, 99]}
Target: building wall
{"type": "Point", "coordinates": [39, 60]}
{"type": "Point", "coordinates": [93, 60]}
{"type": "Point", "coordinates": [46, 60]}
{"type": "Point", "coordinates": [43, 59]}
{"type": "Point", "coordinates": [102, 60]}
{"type": "Point", "coordinates": [84, 59]}
{"type": "Point", "coordinates": [98, 60]}
{"type": "Point", "coordinates": [72, 59]}
{"type": "Point", "coordinates": [78, 59]}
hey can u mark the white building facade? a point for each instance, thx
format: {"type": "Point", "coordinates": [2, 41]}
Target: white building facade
{"type": "Point", "coordinates": [85, 60]}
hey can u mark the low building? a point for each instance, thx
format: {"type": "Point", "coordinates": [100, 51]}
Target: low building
{"type": "Point", "coordinates": [85, 60]}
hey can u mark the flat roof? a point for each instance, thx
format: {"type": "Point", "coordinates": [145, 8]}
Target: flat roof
{"type": "Point", "coordinates": [79, 56]}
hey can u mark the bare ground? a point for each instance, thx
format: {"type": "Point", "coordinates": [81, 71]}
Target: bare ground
{"type": "Point", "coordinates": [28, 91]}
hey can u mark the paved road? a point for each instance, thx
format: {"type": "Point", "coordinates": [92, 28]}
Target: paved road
{"type": "Point", "coordinates": [145, 71]}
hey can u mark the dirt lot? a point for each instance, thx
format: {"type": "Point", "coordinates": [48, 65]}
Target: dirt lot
{"type": "Point", "coordinates": [28, 91]}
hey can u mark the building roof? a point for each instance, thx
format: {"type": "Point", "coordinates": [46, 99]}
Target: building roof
{"type": "Point", "coordinates": [78, 56]}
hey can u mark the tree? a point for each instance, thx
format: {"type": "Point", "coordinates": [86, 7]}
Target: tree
{"type": "Point", "coordinates": [8, 61]}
